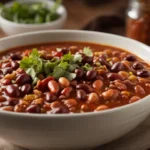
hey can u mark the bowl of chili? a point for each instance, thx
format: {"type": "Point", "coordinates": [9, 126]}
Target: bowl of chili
{"type": "Point", "coordinates": [71, 84]}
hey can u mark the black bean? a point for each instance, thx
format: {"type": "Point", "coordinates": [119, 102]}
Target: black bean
{"type": "Point", "coordinates": [81, 95]}
{"type": "Point", "coordinates": [33, 109]}
{"type": "Point", "coordinates": [85, 87]}
{"type": "Point", "coordinates": [130, 58]}
{"type": "Point", "coordinates": [15, 57]}
{"type": "Point", "coordinates": [12, 91]}
{"type": "Point", "coordinates": [143, 73]}
{"type": "Point", "coordinates": [118, 66]}
{"type": "Point", "coordinates": [91, 74]}
{"type": "Point", "coordinates": [138, 65]}
{"type": "Point", "coordinates": [49, 97]}
{"type": "Point", "coordinates": [26, 89]}
{"type": "Point", "coordinates": [23, 79]}
{"type": "Point", "coordinates": [14, 65]}
{"type": "Point", "coordinates": [79, 73]}
{"type": "Point", "coordinates": [7, 70]}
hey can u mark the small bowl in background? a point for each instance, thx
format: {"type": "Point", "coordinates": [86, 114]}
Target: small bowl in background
{"type": "Point", "coordinates": [11, 28]}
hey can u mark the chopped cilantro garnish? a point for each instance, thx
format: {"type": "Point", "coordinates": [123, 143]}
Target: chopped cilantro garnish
{"type": "Point", "coordinates": [87, 51]}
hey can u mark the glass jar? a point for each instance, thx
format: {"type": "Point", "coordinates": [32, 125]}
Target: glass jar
{"type": "Point", "coordinates": [138, 21]}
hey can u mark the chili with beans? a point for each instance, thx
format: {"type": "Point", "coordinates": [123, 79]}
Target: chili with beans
{"type": "Point", "coordinates": [70, 77]}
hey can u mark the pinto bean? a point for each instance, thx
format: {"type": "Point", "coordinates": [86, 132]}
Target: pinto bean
{"type": "Point", "coordinates": [134, 99]}
{"type": "Point", "coordinates": [98, 84]}
{"type": "Point", "coordinates": [53, 86]}
{"type": "Point", "coordinates": [70, 103]}
{"type": "Point", "coordinates": [93, 98]}
{"type": "Point", "coordinates": [66, 91]}
{"type": "Point", "coordinates": [110, 94]}
{"type": "Point", "coordinates": [8, 108]}
{"type": "Point", "coordinates": [120, 86]}
{"type": "Point", "coordinates": [101, 107]}
{"type": "Point", "coordinates": [84, 108]}
{"type": "Point", "coordinates": [64, 82]}
{"type": "Point", "coordinates": [139, 90]}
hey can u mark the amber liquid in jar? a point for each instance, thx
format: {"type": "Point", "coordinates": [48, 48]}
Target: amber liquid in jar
{"type": "Point", "coordinates": [138, 21]}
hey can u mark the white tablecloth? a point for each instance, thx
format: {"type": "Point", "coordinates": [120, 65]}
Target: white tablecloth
{"type": "Point", "coordinates": [138, 139]}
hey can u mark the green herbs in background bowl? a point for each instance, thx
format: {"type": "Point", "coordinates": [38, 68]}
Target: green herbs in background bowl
{"type": "Point", "coordinates": [35, 13]}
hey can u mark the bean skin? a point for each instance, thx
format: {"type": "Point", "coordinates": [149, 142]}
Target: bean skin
{"type": "Point", "coordinates": [101, 107]}
{"type": "Point", "coordinates": [33, 109]}
{"type": "Point", "coordinates": [139, 90]}
{"type": "Point", "coordinates": [119, 66]}
{"type": "Point", "coordinates": [93, 98]}
{"type": "Point", "coordinates": [60, 110]}
{"type": "Point", "coordinates": [53, 86]}
{"type": "Point", "coordinates": [26, 89]}
{"type": "Point", "coordinates": [81, 95]}
{"type": "Point", "coordinates": [55, 104]}
{"type": "Point", "coordinates": [137, 65]}
{"type": "Point", "coordinates": [70, 103]}
{"type": "Point", "coordinates": [7, 70]}
{"type": "Point", "coordinates": [134, 99]}
{"type": "Point", "coordinates": [84, 108]}
{"type": "Point", "coordinates": [114, 76]}
{"type": "Point", "coordinates": [66, 91]}
{"type": "Point", "coordinates": [12, 91]}
{"type": "Point", "coordinates": [110, 94]}
{"type": "Point", "coordinates": [23, 79]}
{"type": "Point", "coordinates": [120, 86]}
{"type": "Point", "coordinates": [91, 74]}
{"type": "Point", "coordinates": [12, 101]}
{"type": "Point", "coordinates": [104, 62]}
{"type": "Point", "coordinates": [87, 59]}
{"type": "Point", "coordinates": [15, 57]}
{"type": "Point", "coordinates": [2, 99]}
{"type": "Point", "coordinates": [6, 81]}
{"type": "Point", "coordinates": [14, 65]}
{"type": "Point", "coordinates": [84, 87]}
{"type": "Point", "coordinates": [143, 73]}
{"type": "Point", "coordinates": [8, 108]}
{"type": "Point", "coordinates": [130, 58]}
{"type": "Point", "coordinates": [79, 73]}
{"type": "Point", "coordinates": [49, 97]}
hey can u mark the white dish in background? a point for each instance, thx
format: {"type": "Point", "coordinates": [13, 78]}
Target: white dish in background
{"type": "Point", "coordinates": [11, 28]}
{"type": "Point", "coordinates": [73, 131]}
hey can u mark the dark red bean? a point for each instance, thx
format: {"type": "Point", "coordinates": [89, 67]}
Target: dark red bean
{"type": "Point", "coordinates": [49, 97]}
{"type": "Point", "coordinates": [58, 54]}
{"type": "Point", "coordinates": [73, 83]}
{"type": "Point", "coordinates": [2, 99]}
{"type": "Point", "coordinates": [14, 65]}
{"type": "Point", "coordinates": [23, 79]}
{"type": "Point", "coordinates": [91, 74]}
{"type": "Point", "coordinates": [11, 101]}
{"type": "Point", "coordinates": [104, 62]}
{"type": "Point", "coordinates": [87, 59]}
{"type": "Point", "coordinates": [79, 73]}
{"type": "Point", "coordinates": [15, 57]}
{"type": "Point", "coordinates": [65, 50]}
{"type": "Point", "coordinates": [33, 109]}
{"type": "Point", "coordinates": [7, 70]}
{"type": "Point", "coordinates": [6, 81]}
{"type": "Point", "coordinates": [4, 65]}
{"type": "Point", "coordinates": [130, 58]}
{"type": "Point", "coordinates": [12, 91]}
{"type": "Point", "coordinates": [81, 95]}
{"type": "Point", "coordinates": [143, 73]}
{"type": "Point", "coordinates": [85, 87]}
{"type": "Point", "coordinates": [129, 83]}
{"type": "Point", "coordinates": [114, 76]}
{"type": "Point", "coordinates": [26, 89]}
{"type": "Point", "coordinates": [60, 110]}
{"type": "Point", "coordinates": [118, 66]}
{"type": "Point", "coordinates": [137, 65]}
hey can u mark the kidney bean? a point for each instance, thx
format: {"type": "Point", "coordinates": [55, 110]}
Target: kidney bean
{"type": "Point", "coordinates": [66, 91]}
{"type": "Point", "coordinates": [143, 73]}
{"type": "Point", "coordinates": [57, 54]}
{"type": "Point", "coordinates": [15, 57]}
{"type": "Point", "coordinates": [6, 81]}
{"type": "Point", "coordinates": [120, 86]}
{"type": "Point", "coordinates": [64, 82]}
{"type": "Point", "coordinates": [81, 95]}
{"type": "Point", "coordinates": [12, 91]}
{"type": "Point", "coordinates": [55, 104]}
{"type": "Point", "coordinates": [124, 74]}
{"type": "Point", "coordinates": [26, 89]}
{"type": "Point", "coordinates": [73, 83]}
{"type": "Point", "coordinates": [101, 107]}
{"type": "Point", "coordinates": [91, 74]}
{"type": "Point", "coordinates": [2, 99]}
{"type": "Point", "coordinates": [119, 66]}
{"type": "Point", "coordinates": [85, 87]}
{"type": "Point", "coordinates": [130, 58]}
{"type": "Point", "coordinates": [23, 79]}
{"type": "Point", "coordinates": [79, 73]}
{"type": "Point", "coordinates": [93, 98]}
{"type": "Point", "coordinates": [98, 84]}
{"type": "Point", "coordinates": [114, 76]}
{"type": "Point", "coordinates": [8, 108]}
{"type": "Point", "coordinates": [33, 109]}
{"type": "Point", "coordinates": [5, 65]}
{"type": "Point", "coordinates": [104, 62]}
{"type": "Point", "coordinates": [49, 97]}
{"type": "Point", "coordinates": [65, 50]}
{"type": "Point", "coordinates": [14, 65]}
{"type": "Point", "coordinates": [60, 110]}
{"type": "Point", "coordinates": [134, 99]}
{"type": "Point", "coordinates": [137, 65]}
{"type": "Point", "coordinates": [84, 108]}
{"type": "Point", "coordinates": [53, 86]}
{"type": "Point", "coordinates": [44, 83]}
{"type": "Point", "coordinates": [7, 70]}
{"type": "Point", "coordinates": [11, 101]}
{"type": "Point", "coordinates": [38, 101]}
{"type": "Point", "coordinates": [87, 59]}
{"type": "Point", "coordinates": [70, 103]}
{"type": "Point", "coordinates": [139, 90]}
{"type": "Point", "coordinates": [110, 94]}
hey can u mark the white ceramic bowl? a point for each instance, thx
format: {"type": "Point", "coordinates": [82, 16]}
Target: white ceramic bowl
{"type": "Point", "coordinates": [73, 131]}
{"type": "Point", "coordinates": [11, 28]}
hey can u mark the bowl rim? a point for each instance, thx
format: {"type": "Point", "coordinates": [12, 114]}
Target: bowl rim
{"type": "Point", "coordinates": [62, 17]}
{"type": "Point", "coordinates": [87, 114]}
